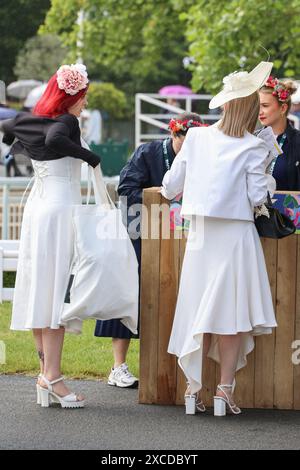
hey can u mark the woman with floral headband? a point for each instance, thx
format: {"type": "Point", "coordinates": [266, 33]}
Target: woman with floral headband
{"type": "Point", "coordinates": [224, 297]}
{"type": "Point", "coordinates": [51, 138]}
{"type": "Point", "coordinates": [275, 104]}
{"type": "Point", "coordinates": [145, 169]}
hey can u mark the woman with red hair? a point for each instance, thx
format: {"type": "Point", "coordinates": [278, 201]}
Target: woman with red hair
{"type": "Point", "coordinates": [51, 138]}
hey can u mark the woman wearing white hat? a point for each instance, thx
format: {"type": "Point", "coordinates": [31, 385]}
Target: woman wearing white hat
{"type": "Point", "coordinates": [224, 296]}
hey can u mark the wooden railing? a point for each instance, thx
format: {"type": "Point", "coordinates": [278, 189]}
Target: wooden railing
{"type": "Point", "coordinates": [271, 379]}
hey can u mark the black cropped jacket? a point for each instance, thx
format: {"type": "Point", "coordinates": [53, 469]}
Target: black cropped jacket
{"type": "Point", "coordinates": [43, 138]}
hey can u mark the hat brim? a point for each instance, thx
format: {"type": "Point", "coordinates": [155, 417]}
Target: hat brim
{"type": "Point", "coordinates": [257, 77]}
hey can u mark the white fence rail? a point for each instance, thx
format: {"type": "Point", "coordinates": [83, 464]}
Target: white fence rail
{"type": "Point", "coordinates": [9, 250]}
{"type": "Point", "coordinates": [11, 210]}
{"type": "Point", "coordinates": [164, 111]}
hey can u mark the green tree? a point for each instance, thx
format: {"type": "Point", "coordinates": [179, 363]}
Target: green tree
{"type": "Point", "coordinates": [106, 97]}
{"type": "Point", "coordinates": [40, 58]}
{"type": "Point", "coordinates": [19, 20]}
{"type": "Point", "coordinates": [226, 35]}
{"type": "Point", "coordinates": [137, 44]}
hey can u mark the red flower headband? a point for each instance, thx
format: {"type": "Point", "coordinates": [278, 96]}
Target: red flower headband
{"type": "Point", "coordinates": [279, 89]}
{"type": "Point", "coordinates": [176, 125]}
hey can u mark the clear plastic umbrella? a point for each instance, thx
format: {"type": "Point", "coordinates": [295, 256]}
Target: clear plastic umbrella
{"type": "Point", "coordinates": [34, 95]}
{"type": "Point", "coordinates": [21, 88]}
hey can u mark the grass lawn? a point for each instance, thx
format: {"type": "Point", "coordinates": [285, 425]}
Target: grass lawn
{"type": "Point", "coordinates": [84, 356]}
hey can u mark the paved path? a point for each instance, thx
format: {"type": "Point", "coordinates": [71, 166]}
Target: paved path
{"type": "Point", "coordinates": [113, 419]}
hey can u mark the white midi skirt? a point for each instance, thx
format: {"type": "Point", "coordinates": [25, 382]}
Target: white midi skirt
{"type": "Point", "coordinates": [224, 290]}
{"type": "Point", "coordinates": [46, 246]}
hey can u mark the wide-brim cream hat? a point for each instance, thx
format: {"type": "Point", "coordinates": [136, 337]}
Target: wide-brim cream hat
{"type": "Point", "coordinates": [242, 84]}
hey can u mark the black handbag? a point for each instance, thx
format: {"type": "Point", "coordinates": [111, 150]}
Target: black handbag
{"type": "Point", "coordinates": [271, 223]}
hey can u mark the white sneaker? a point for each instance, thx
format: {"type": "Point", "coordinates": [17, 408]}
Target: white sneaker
{"type": "Point", "coordinates": [122, 377]}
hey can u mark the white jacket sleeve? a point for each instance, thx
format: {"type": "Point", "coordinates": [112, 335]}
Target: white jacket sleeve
{"type": "Point", "coordinates": [257, 180]}
{"type": "Point", "coordinates": [173, 181]}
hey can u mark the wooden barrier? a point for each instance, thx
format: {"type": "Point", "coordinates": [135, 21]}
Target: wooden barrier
{"type": "Point", "coordinates": [270, 379]}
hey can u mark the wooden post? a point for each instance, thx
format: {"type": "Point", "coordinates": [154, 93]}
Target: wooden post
{"type": "Point", "coordinates": [265, 344]}
{"type": "Point", "coordinates": [149, 319]}
{"type": "Point", "coordinates": [285, 314]}
{"type": "Point", "coordinates": [297, 333]}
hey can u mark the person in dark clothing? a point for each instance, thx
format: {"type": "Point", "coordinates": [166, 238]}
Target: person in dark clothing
{"type": "Point", "coordinates": [275, 104]}
{"type": "Point", "coordinates": [145, 169]}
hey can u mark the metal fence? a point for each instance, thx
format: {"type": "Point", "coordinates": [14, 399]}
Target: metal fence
{"type": "Point", "coordinates": [162, 111]}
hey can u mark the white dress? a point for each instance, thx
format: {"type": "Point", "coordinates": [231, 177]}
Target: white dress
{"type": "Point", "coordinates": [224, 287]}
{"type": "Point", "coordinates": [224, 290]}
{"type": "Point", "coordinates": [46, 246]}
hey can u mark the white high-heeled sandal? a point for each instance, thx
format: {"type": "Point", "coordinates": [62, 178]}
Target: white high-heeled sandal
{"type": "Point", "coordinates": [38, 390]}
{"type": "Point", "coordinates": [48, 396]}
{"type": "Point", "coordinates": [221, 404]}
{"type": "Point", "coordinates": [193, 404]}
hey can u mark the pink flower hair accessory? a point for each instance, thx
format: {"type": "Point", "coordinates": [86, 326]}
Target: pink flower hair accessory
{"type": "Point", "coordinates": [72, 78]}
{"type": "Point", "coordinates": [177, 125]}
{"type": "Point", "coordinates": [280, 91]}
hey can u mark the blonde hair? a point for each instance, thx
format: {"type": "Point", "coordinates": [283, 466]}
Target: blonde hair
{"type": "Point", "coordinates": [289, 85]}
{"type": "Point", "coordinates": [240, 115]}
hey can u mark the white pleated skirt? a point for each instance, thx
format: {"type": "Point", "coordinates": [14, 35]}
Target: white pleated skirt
{"type": "Point", "coordinates": [224, 290]}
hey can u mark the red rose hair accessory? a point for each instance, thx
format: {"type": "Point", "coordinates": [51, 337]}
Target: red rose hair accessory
{"type": "Point", "coordinates": [280, 91]}
{"type": "Point", "coordinates": [176, 125]}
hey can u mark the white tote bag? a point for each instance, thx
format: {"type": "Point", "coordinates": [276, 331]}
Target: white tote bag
{"type": "Point", "coordinates": [105, 268]}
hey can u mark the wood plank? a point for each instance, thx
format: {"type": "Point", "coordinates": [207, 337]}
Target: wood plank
{"type": "Point", "coordinates": [265, 344]}
{"type": "Point", "coordinates": [181, 380]}
{"type": "Point", "coordinates": [168, 284]}
{"type": "Point", "coordinates": [244, 394]}
{"type": "Point", "coordinates": [297, 334]}
{"type": "Point", "coordinates": [209, 381]}
{"type": "Point", "coordinates": [285, 314]}
{"type": "Point", "coordinates": [149, 303]}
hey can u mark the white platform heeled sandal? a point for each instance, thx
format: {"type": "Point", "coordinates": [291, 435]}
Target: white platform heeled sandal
{"type": "Point", "coordinates": [223, 404]}
{"type": "Point", "coordinates": [48, 396]}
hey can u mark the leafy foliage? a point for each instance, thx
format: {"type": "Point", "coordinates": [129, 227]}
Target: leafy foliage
{"type": "Point", "coordinates": [19, 20]}
{"type": "Point", "coordinates": [225, 35]}
{"type": "Point", "coordinates": [137, 44]}
{"type": "Point", "coordinates": [106, 97]}
{"type": "Point", "coordinates": [40, 58]}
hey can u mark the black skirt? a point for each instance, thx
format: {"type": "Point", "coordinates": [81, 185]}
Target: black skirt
{"type": "Point", "coordinates": [114, 328]}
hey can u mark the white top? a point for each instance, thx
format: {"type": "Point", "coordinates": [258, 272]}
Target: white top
{"type": "Point", "coordinates": [220, 176]}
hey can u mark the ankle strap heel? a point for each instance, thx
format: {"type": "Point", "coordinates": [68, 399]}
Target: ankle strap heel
{"type": "Point", "coordinates": [190, 404]}
{"type": "Point", "coordinates": [193, 402]}
{"type": "Point", "coordinates": [221, 404]}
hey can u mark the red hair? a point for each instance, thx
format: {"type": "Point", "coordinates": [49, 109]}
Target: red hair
{"type": "Point", "coordinates": [55, 101]}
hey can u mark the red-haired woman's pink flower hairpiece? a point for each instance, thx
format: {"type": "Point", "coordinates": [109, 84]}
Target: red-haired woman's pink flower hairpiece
{"type": "Point", "coordinates": [72, 78]}
{"type": "Point", "coordinates": [280, 91]}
